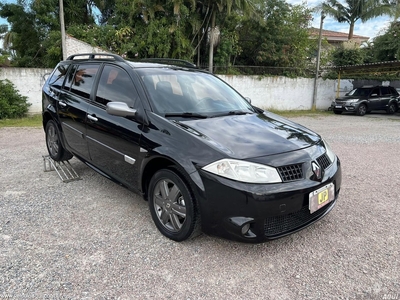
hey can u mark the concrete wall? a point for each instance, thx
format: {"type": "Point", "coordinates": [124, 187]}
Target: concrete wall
{"type": "Point", "coordinates": [29, 82]}
{"type": "Point", "coordinates": [75, 46]}
{"type": "Point", "coordinates": [283, 93]}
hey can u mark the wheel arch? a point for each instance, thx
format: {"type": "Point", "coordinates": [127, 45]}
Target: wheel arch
{"type": "Point", "coordinates": [151, 168]}
{"type": "Point", "coordinates": [45, 118]}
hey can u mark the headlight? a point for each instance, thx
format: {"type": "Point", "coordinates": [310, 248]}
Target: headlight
{"type": "Point", "coordinates": [329, 152]}
{"type": "Point", "coordinates": [352, 100]}
{"type": "Point", "coordinates": [243, 171]}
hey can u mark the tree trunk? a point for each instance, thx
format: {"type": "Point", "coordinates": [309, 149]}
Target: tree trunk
{"type": "Point", "coordinates": [211, 52]}
{"type": "Point", "coordinates": [351, 30]}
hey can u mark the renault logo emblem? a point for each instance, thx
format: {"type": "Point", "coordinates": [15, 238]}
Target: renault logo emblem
{"type": "Point", "coordinates": [316, 170]}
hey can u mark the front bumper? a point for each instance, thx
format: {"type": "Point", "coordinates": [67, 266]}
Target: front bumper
{"type": "Point", "coordinates": [257, 213]}
{"type": "Point", "coordinates": [345, 107]}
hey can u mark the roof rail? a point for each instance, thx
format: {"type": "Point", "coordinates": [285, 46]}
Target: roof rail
{"type": "Point", "coordinates": [170, 61]}
{"type": "Point", "coordinates": [95, 56]}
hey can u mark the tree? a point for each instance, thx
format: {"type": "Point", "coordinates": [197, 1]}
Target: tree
{"type": "Point", "coordinates": [347, 57]}
{"type": "Point", "coordinates": [354, 10]}
{"type": "Point", "coordinates": [212, 8]}
{"type": "Point", "coordinates": [33, 37]}
{"type": "Point", "coordinates": [279, 39]}
{"type": "Point", "coordinates": [386, 47]}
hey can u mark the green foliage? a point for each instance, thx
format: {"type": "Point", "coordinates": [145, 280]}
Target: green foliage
{"type": "Point", "coordinates": [344, 57]}
{"type": "Point", "coordinates": [279, 39]}
{"type": "Point", "coordinates": [12, 104]}
{"type": "Point", "coordinates": [387, 46]}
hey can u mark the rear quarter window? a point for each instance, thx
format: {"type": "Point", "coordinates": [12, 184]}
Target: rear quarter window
{"type": "Point", "coordinates": [56, 80]}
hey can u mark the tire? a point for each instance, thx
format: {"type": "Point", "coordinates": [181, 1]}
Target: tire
{"type": "Point", "coordinates": [53, 142]}
{"type": "Point", "coordinates": [392, 108]}
{"type": "Point", "coordinates": [337, 112]}
{"type": "Point", "coordinates": [361, 110]}
{"type": "Point", "coordinates": [173, 206]}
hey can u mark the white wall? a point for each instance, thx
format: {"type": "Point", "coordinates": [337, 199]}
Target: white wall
{"type": "Point", "coordinates": [283, 93]}
{"type": "Point", "coordinates": [29, 82]}
{"type": "Point", "coordinates": [75, 46]}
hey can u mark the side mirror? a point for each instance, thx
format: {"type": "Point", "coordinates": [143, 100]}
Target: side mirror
{"type": "Point", "coordinates": [120, 109]}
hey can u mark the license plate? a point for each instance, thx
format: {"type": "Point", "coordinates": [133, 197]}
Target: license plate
{"type": "Point", "coordinates": [338, 106]}
{"type": "Point", "coordinates": [321, 197]}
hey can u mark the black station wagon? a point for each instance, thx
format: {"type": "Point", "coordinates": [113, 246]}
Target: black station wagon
{"type": "Point", "coordinates": [204, 158]}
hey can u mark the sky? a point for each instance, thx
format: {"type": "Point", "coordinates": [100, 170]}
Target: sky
{"type": "Point", "coordinates": [370, 28]}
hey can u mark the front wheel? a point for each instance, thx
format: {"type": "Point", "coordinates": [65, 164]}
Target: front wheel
{"type": "Point", "coordinates": [391, 109]}
{"type": "Point", "coordinates": [172, 206]}
{"type": "Point", "coordinates": [362, 110]}
{"type": "Point", "coordinates": [53, 142]}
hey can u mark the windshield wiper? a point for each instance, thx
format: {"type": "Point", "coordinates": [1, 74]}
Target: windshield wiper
{"type": "Point", "coordinates": [234, 112]}
{"type": "Point", "coordinates": [186, 115]}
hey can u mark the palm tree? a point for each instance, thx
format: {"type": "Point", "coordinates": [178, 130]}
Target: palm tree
{"type": "Point", "coordinates": [212, 7]}
{"type": "Point", "coordinates": [6, 36]}
{"type": "Point", "coordinates": [354, 10]}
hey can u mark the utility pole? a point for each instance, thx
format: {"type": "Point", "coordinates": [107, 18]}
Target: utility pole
{"type": "Point", "coordinates": [314, 103]}
{"type": "Point", "coordinates": [63, 46]}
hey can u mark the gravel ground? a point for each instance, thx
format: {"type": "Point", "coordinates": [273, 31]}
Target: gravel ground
{"type": "Point", "coordinates": [92, 239]}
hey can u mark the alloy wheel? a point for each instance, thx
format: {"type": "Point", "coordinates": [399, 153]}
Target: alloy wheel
{"type": "Point", "coordinates": [169, 205]}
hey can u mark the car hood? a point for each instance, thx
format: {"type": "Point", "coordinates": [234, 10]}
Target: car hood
{"type": "Point", "coordinates": [252, 135]}
{"type": "Point", "coordinates": [345, 98]}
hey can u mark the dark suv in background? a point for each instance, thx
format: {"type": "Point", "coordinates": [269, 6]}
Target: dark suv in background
{"type": "Point", "coordinates": [201, 154]}
{"type": "Point", "coordinates": [366, 99]}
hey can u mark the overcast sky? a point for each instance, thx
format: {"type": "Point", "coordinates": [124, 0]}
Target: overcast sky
{"type": "Point", "coordinates": [371, 28]}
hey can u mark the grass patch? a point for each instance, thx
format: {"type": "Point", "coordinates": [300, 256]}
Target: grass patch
{"type": "Point", "coordinates": [31, 121]}
{"type": "Point", "coordinates": [300, 113]}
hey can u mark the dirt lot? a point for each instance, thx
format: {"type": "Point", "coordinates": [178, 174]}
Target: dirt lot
{"type": "Point", "coordinates": [92, 239]}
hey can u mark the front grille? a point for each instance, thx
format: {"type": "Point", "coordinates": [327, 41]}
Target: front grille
{"type": "Point", "coordinates": [324, 161]}
{"type": "Point", "coordinates": [275, 226]}
{"type": "Point", "coordinates": [291, 172]}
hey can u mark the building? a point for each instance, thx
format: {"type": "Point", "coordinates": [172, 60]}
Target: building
{"type": "Point", "coordinates": [336, 38]}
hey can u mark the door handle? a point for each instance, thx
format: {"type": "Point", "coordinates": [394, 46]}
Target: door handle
{"type": "Point", "coordinates": [92, 118]}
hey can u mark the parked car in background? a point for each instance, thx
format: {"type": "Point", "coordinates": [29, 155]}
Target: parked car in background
{"type": "Point", "coordinates": [204, 157]}
{"type": "Point", "coordinates": [366, 99]}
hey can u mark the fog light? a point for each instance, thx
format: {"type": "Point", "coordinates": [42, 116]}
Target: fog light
{"type": "Point", "coordinates": [245, 228]}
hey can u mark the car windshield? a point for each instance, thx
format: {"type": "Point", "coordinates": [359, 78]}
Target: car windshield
{"type": "Point", "coordinates": [362, 92]}
{"type": "Point", "coordinates": [186, 94]}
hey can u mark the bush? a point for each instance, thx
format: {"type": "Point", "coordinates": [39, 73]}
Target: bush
{"type": "Point", "coordinates": [12, 104]}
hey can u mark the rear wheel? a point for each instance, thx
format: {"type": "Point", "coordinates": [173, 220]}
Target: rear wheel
{"type": "Point", "coordinates": [172, 206]}
{"type": "Point", "coordinates": [53, 142]}
{"type": "Point", "coordinates": [361, 110]}
{"type": "Point", "coordinates": [391, 109]}
{"type": "Point", "coordinates": [337, 112]}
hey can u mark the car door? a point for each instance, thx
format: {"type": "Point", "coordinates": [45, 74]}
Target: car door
{"type": "Point", "coordinates": [386, 96]}
{"type": "Point", "coordinates": [73, 105]}
{"type": "Point", "coordinates": [374, 99]}
{"type": "Point", "coordinates": [114, 141]}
